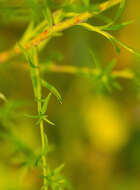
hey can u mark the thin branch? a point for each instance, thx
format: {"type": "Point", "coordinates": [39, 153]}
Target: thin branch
{"type": "Point", "coordinates": [4, 56]}
{"type": "Point", "coordinates": [42, 133]}
{"type": "Point", "coordinates": [125, 73]}
{"type": "Point", "coordinates": [68, 69]}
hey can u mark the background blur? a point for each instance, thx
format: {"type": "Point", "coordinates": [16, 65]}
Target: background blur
{"type": "Point", "coordinates": [98, 138]}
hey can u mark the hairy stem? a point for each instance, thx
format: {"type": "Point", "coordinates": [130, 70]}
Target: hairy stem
{"type": "Point", "coordinates": [42, 133]}
{"type": "Point", "coordinates": [4, 56]}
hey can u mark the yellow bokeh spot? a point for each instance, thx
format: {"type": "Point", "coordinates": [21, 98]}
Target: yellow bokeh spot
{"type": "Point", "coordinates": [106, 125]}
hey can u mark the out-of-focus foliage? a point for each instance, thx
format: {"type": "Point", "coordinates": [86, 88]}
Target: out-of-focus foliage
{"type": "Point", "coordinates": [97, 132]}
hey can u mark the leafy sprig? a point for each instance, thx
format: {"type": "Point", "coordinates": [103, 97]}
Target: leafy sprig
{"type": "Point", "coordinates": [43, 26]}
{"type": "Point", "coordinates": [46, 32]}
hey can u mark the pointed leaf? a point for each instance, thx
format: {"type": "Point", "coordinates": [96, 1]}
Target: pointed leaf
{"type": "Point", "coordinates": [118, 15]}
{"type": "Point", "coordinates": [137, 54]}
{"type": "Point", "coordinates": [46, 144]}
{"type": "Point", "coordinates": [47, 13]}
{"type": "Point", "coordinates": [59, 169]}
{"type": "Point", "coordinates": [110, 66]}
{"type": "Point", "coordinates": [27, 34]}
{"type": "Point", "coordinates": [103, 18]}
{"type": "Point", "coordinates": [48, 121]}
{"type": "Point", "coordinates": [52, 89]}
{"type": "Point", "coordinates": [27, 56]}
{"type": "Point", "coordinates": [105, 34]}
{"type": "Point", "coordinates": [45, 105]}
{"type": "Point", "coordinates": [120, 10]}
{"type": "Point", "coordinates": [118, 26]}
{"type": "Point", "coordinates": [48, 16]}
{"type": "Point", "coordinates": [2, 97]}
{"type": "Point", "coordinates": [111, 38]}
{"type": "Point", "coordinates": [95, 60]}
{"type": "Point", "coordinates": [58, 17]}
{"type": "Point", "coordinates": [32, 116]}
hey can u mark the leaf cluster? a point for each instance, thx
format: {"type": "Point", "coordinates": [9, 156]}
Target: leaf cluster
{"type": "Point", "coordinates": [55, 180]}
{"type": "Point", "coordinates": [102, 77]}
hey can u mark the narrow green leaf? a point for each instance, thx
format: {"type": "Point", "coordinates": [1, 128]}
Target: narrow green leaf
{"type": "Point", "coordinates": [58, 17]}
{"type": "Point", "coordinates": [32, 116]}
{"type": "Point", "coordinates": [45, 105]}
{"type": "Point", "coordinates": [120, 10]}
{"type": "Point", "coordinates": [27, 34]}
{"type": "Point", "coordinates": [111, 38]}
{"type": "Point", "coordinates": [52, 89]}
{"type": "Point", "coordinates": [118, 26]}
{"type": "Point", "coordinates": [30, 60]}
{"type": "Point", "coordinates": [110, 66]}
{"type": "Point", "coordinates": [137, 54]}
{"type": "Point", "coordinates": [95, 60]}
{"type": "Point", "coordinates": [105, 34]}
{"type": "Point", "coordinates": [118, 15]}
{"type": "Point", "coordinates": [39, 121]}
{"type": "Point", "coordinates": [2, 97]}
{"type": "Point", "coordinates": [46, 149]}
{"type": "Point", "coordinates": [103, 18]}
{"type": "Point", "coordinates": [34, 81]}
{"type": "Point", "coordinates": [47, 13]}
{"type": "Point", "coordinates": [48, 121]}
{"type": "Point", "coordinates": [59, 169]}
{"type": "Point", "coordinates": [48, 16]}
{"type": "Point", "coordinates": [27, 56]}
{"type": "Point", "coordinates": [107, 85]}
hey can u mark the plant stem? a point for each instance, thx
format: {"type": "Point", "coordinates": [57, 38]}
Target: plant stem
{"type": "Point", "coordinates": [125, 73]}
{"type": "Point", "coordinates": [42, 133]}
{"type": "Point", "coordinates": [54, 68]}
{"type": "Point", "coordinates": [43, 157]}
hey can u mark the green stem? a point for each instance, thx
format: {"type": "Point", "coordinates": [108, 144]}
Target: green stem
{"type": "Point", "coordinates": [43, 157]}
{"type": "Point", "coordinates": [42, 133]}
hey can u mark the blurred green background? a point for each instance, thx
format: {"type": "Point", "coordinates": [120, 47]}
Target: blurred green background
{"type": "Point", "coordinates": [97, 137]}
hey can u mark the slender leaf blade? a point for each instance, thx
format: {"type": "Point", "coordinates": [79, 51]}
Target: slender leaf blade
{"type": "Point", "coordinates": [45, 105]}
{"type": "Point", "coordinates": [2, 97]}
{"type": "Point", "coordinates": [52, 89]}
